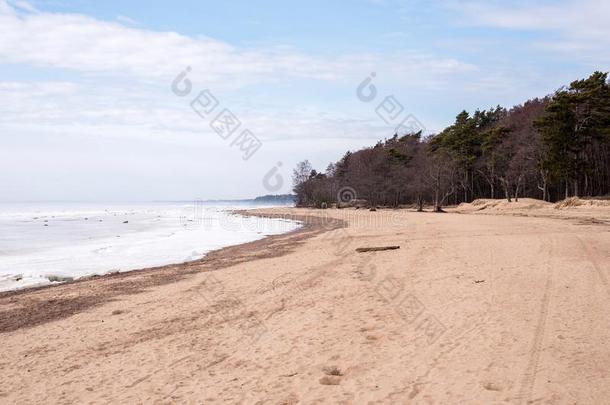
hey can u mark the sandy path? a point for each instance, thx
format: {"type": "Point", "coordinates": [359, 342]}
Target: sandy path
{"type": "Point", "coordinates": [477, 309]}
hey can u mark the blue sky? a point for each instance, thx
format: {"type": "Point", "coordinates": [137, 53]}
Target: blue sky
{"type": "Point", "coordinates": [86, 110]}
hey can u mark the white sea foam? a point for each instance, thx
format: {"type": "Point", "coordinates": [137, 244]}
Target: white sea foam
{"type": "Point", "coordinates": [41, 243]}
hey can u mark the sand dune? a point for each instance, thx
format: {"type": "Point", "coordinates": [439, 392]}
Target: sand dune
{"type": "Point", "coordinates": [477, 309]}
{"type": "Point", "coordinates": [504, 205]}
{"type": "Point", "coordinates": [583, 210]}
{"type": "Point", "coordinates": [497, 205]}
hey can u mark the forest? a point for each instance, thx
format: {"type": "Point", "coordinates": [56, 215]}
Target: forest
{"type": "Point", "coordinates": [547, 148]}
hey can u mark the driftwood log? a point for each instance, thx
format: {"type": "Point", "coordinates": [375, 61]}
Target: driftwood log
{"type": "Point", "coordinates": [376, 249]}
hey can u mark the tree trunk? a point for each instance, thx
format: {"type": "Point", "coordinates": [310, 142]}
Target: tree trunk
{"type": "Point", "coordinates": [587, 192]}
{"type": "Point", "coordinates": [472, 192]}
{"type": "Point", "coordinates": [544, 187]}
{"type": "Point", "coordinates": [465, 182]}
{"type": "Point", "coordinates": [517, 189]}
{"type": "Point", "coordinates": [506, 186]}
{"type": "Point", "coordinates": [575, 188]}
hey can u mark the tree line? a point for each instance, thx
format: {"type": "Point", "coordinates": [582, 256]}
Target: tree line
{"type": "Point", "coordinates": [547, 148]}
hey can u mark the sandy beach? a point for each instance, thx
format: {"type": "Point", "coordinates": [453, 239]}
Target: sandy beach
{"type": "Point", "coordinates": [479, 305]}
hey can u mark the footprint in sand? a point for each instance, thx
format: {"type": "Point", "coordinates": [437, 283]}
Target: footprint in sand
{"type": "Point", "coordinates": [332, 377]}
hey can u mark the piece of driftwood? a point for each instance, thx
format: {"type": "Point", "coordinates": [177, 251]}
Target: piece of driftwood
{"type": "Point", "coordinates": [376, 249]}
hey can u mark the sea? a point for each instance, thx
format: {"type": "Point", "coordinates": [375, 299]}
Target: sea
{"type": "Point", "coordinates": [49, 243]}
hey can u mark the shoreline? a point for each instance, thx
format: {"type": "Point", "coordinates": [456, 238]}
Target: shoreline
{"type": "Point", "coordinates": [79, 241]}
{"type": "Point", "coordinates": [36, 305]}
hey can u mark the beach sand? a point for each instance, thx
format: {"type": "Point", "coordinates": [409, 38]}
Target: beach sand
{"type": "Point", "coordinates": [473, 308]}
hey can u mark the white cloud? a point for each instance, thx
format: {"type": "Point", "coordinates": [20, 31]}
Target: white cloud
{"type": "Point", "coordinates": [93, 46]}
{"type": "Point", "coordinates": [24, 5]}
{"type": "Point", "coordinates": [126, 20]}
{"type": "Point", "coordinates": [581, 27]}
{"type": "Point", "coordinates": [37, 88]}
{"type": "Point", "coordinates": [134, 112]}
{"type": "Point", "coordinates": [132, 69]}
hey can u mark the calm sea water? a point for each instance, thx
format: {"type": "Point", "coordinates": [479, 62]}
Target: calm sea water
{"type": "Point", "coordinates": [40, 243]}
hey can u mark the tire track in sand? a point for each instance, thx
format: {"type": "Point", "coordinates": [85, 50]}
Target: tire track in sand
{"type": "Point", "coordinates": [591, 258]}
{"type": "Point", "coordinates": [529, 378]}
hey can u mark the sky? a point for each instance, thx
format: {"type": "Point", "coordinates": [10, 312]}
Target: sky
{"type": "Point", "coordinates": [93, 106]}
